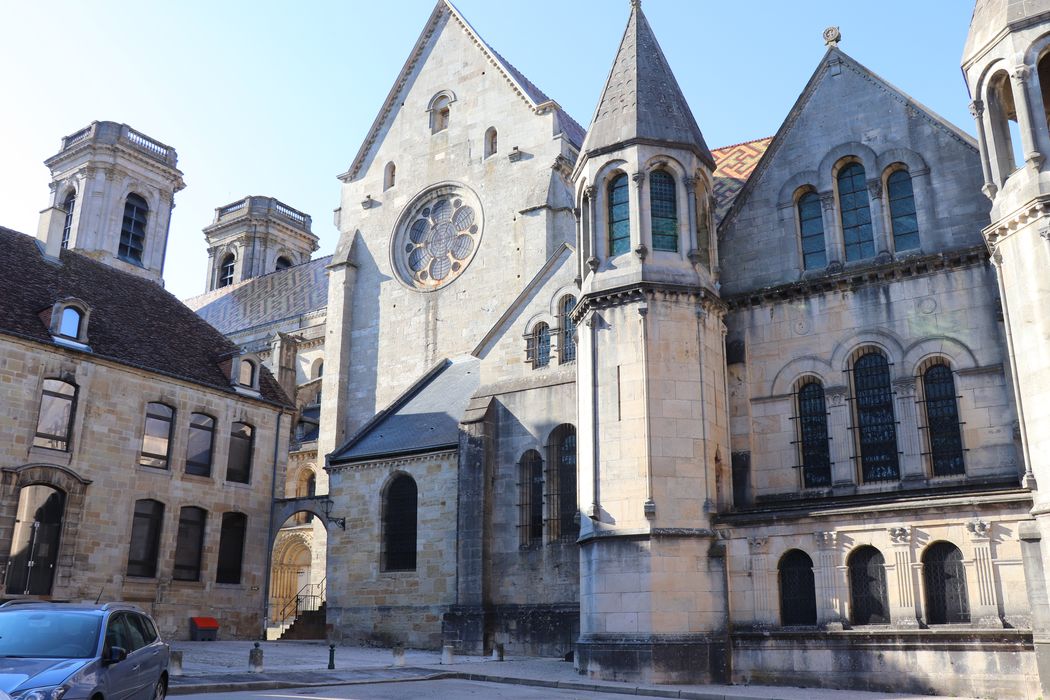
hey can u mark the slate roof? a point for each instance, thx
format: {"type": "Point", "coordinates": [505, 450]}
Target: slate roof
{"type": "Point", "coordinates": [423, 419]}
{"type": "Point", "coordinates": [133, 321]}
{"type": "Point", "coordinates": [274, 297]}
{"type": "Point", "coordinates": [733, 166]}
{"type": "Point", "coordinates": [641, 99]}
{"type": "Point", "coordinates": [990, 17]}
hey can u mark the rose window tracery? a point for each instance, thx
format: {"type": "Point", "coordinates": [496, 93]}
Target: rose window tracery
{"type": "Point", "coordinates": [438, 238]}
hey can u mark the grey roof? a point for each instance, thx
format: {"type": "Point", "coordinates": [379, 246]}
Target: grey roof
{"type": "Point", "coordinates": [569, 126]}
{"type": "Point", "coordinates": [277, 296]}
{"type": "Point", "coordinates": [423, 419]}
{"type": "Point", "coordinates": [641, 100]}
{"type": "Point", "coordinates": [990, 17]}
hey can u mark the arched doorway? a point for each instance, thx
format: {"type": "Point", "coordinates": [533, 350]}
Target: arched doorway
{"type": "Point", "coordinates": [34, 546]}
{"type": "Point", "coordinates": [297, 590]}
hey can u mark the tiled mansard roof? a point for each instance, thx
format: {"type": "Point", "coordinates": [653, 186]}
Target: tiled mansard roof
{"type": "Point", "coordinates": [132, 321]}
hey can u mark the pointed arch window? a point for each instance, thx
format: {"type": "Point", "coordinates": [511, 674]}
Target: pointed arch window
{"type": "Point", "coordinates": [567, 339]}
{"type": "Point", "coordinates": [876, 426]}
{"type": "Point", "coordinates": [530, 506]}
{"type": "Point", "coordinates": [813, 436]}
{"type": "Point", "coordinates": [561, 484]}
{"type": "Point", "coordinates": [133, 229]}
{"type": "Point", "coordinates": [539, 345]}
{"type": "Point", "coordinates": [399, 524]}
{"type": "Point", "coordinates": [145, 538]}
{"type": "Point", "coordinates": [156, 436]}
{"type": "Point", "coordinates": [54, 424]}
{"type": "Point", "coordinates": [67, 226]}
{"type": "Point", "coordinates": [798, 598]}
{"type": "Point", "coordinates": [663, 208]}
{"type": "Point", "coordinates": [942, 420]}
{"type": "Point", "coordinates": [619, 216]}
{"type": "Point", "coordinates": [944, 580]}
{"type": "Point", "coordinates": [189, 544]}
{"type": "Point", "coordinates": [903, 220]}
{"type": "Point", "coordinates": [811, 232]}
{"type": "Point", "coordinates": [856, 213]}
{"type": "Point", "coordinates": [867, 586]}
{"type": "Point", "coordinates": [226, 270]}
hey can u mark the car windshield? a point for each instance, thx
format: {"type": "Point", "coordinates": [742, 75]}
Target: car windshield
{"type": "Point", "coordinates": [48, 634]}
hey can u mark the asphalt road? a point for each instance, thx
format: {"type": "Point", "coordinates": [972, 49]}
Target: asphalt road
{"type": "Point", "coordinates": [431, 690]}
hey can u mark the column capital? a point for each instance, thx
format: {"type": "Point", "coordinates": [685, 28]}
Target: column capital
{"type": "Point", "coordinates": [875, 188]}
{"type": "Point", "coordinates": [977, 109]}
{"type": "Point", "coordinates": [589, 191]}
{"type": "Point", "coordinates": [901, 535]}
{"type": "Point", "coordinates": [826, 539]}
{"type": "Point", "coordinates": [979, 529]}
{"type": "Point", "coordinates": [1020, 73]}
{"type": "Point", "coordinates": [638, 177]}
{"type": "Point", "coordinates": [904, 387]}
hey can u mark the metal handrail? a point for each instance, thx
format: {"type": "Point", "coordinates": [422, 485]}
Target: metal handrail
{"type": "Point", "coordinates": [302, 597]}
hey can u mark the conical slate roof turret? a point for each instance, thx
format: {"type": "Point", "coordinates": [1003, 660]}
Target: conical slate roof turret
{"type": "Point", "coordinates": [642, 102]}
{"type": "Point", "coordinates": [992, 17]}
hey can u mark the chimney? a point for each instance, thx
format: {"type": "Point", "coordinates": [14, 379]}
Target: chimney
{"type": "Point", "coordinates": [49, 230]}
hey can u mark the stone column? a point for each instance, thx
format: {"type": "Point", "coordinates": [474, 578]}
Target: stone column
{"type": "Point", "coordinates": [980, 577]}
{"type": "Point", "coordinates": [691, 242]}
{"type": "Point", "coordinates": [842, 472]}
{"type": "Point", "coordinates": [830, 610]}
{"type": "Point", "coordinates": [832, 231]}
{"type": "Point", "coordinates": [641, 231]}
{"type": "Point", "coordinates": [879, 233]}
{"type": "Point", "coordinates": [592, 248]}
{"type": "Point", "coordinates": [911, 462]}
{"type": "Point", "coordinates": [1019, 76]}
{"type": "Point", "coordinates": [900, 579]}
{"type": "Point", "coordinates": [765, 609]}
{"type": "Point", "coordinates": [977, 112]}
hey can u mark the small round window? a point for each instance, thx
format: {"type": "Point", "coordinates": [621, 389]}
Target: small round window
{"type": "Point", "coordinates": [437, 237]}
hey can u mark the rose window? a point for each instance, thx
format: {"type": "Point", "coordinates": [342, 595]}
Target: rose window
{"type": "Point", "coordinates": [439, 240]}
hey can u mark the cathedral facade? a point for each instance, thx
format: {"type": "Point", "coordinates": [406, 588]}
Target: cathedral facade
{"type": "Point", "coordinates": [767, 413]}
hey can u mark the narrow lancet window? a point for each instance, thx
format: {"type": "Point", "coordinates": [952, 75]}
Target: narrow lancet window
{"type": "Point", "coordinates": [903, 220]}
{"type": "Point", "coordinates": [813, 436]}
{"type": "Point", "coordinates": [663, 205]}
{"type": "Point", "coordinates": [856, 213]}
{"type": "Point", "coordinates": [811, 231]}
{"type": "Point", "coordinates": [942, 420]}
{"type": "Point", "coordinates": [619, 216]}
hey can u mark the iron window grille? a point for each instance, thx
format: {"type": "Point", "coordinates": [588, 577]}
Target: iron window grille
{"type": "Point", "coordinates": [813, 442]}
{"type": "Point", "coordinates": [530, 499]}
{"type": "Point", "coordinates": [538, 346]}
{"type": "Point", "coordinates": [855, 212]}
{"type": "Point", "coordinates": [562, 523]}
{"type": "Point", "coordinates": [867, 585]}
{"type": "Point", "coordinates": [942, 421]}
{"type": "Point", "coordinates": [875, 428]}
{"type": "Point", "coordinates": [567, 332]}
{"type": "Point", "coordinates": [944, 578]}
{"type": "Point", "coordinates": [798, 597]}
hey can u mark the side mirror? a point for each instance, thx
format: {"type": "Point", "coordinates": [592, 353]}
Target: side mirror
{"type": "Point", "coordinates": [116, 654]}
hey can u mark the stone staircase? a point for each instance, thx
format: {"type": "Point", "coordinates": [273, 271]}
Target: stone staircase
{"type": "Point", "coordinates": [309, 625]}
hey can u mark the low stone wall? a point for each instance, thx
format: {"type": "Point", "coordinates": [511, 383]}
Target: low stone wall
{"type": "Point", "coordinates": [415, 626]}
{"type": "Point", "coordinates": [968, 662]}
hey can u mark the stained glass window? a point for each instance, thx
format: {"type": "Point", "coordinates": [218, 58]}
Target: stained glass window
{"type": "Point", "coordinates": [663, 206]}
{"type": "Point", "coordinates": [876, 427]}
{"type": "Point", "coordinates": [811, 230]}
{"type": "Point", "coordinates": [813, 434]}
{"type": "Point", "coordinates": [441, 240]}
{"type": "Point", "coordinates": [856, 213]}
{"type": "Point", "coordinates": [942, 421]}
{"type": "Point", "coordinates": [133, 229]}
{"type": "Point", "coordinates": [619, 216]}
{"type": "Point", "coordinates": [798, 598]}
{"type": "Point", "coordinates": [902, 211]}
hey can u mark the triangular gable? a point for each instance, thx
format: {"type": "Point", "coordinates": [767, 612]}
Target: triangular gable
{"type": "Point", "coordinates": [529, 93]}
{"type": "Point", "coordinates": [832, 58]}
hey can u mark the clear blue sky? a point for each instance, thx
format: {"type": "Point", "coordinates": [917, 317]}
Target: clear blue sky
{"type": "Point", "coordinates": [274, 98]}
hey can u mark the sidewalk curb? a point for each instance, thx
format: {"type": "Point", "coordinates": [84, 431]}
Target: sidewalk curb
{"type": "Point", "coordinates": [238, 686]}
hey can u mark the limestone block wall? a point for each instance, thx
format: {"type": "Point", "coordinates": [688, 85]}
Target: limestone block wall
{"type": "Point", "coordinates": [950, 314]}
{"type": "Point", "coordinates": [102, 479]}
{"type": "Point", "coordinates": [367, 605]}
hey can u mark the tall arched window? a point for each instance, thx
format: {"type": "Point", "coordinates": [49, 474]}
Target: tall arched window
{"type": "Point", "coordinates": [231, 547]}
{"type": "Point", "coordinates": [156, 436]}
{"type": "Point", "coordinates": [867, 587]}
{"type": "Point", "coordinates": [539, 349]}
{"type": "Point", "coordinates": [903, 221]}
{"type": "Point", "coordinates": [491, 141]}
{"type": "Point", "coordinates": [189, 544]}
{"type": "Point", "coordinates": [856, 213]}
{"type": "Point", "coordinates": [1005, 131]}
{"type": "Point", "coordinates": [663, 209]}
{"type": "Point", "coordinates": [811, 232]}
{"type": "Point", "coordinates": [440, 114]}
{"type": "Point", "coordinates": [619, 216]}
{"type": "Point", "coordinates": [798, 597]}
{"type": "Point", "coordinates": [530, 490]}
{"type": "Point", "coordinates": [944, 579]}
{"type": "Point", "coordinates": [389, 175]}
{"type": "Point", "coordinates": [561, 485]}
{"type": "Point", "coordinates": [282, 263]}
{"type": "Point", "coordinates": [942, 420]}
{"type": "Point", "coordinates": [567, 339]}
{"type": "Point", "coordinates": [67, 227]}
{"type": "Point", "coordinates": [133, 229]}
{"type": "Point", "coordinates": [54, 424]}
{"type": "Point", "coordinates": [399, 525]}
{"type": "Point", "coordinates": [876, 428]}
{"type": "Point", "coordinates": [226, 270]}
{"type": "Point", "coordinates": [145, 538]}
{"type": "Point", "coordinates": [813, 436]}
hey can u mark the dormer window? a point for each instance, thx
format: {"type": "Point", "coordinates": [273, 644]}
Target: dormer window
{"type": "Point", "coordinates": [244, 373]}
{"type": "Point", "coordinates": [246, 376]}
{"type": "Point", "coordinates": [69, 321]}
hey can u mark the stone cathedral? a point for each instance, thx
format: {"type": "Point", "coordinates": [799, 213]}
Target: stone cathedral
{"type": "Point", "coordinates": [773, 413]}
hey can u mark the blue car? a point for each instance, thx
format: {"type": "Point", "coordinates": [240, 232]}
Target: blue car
{"type": "Point", "coordinates": [60, 651]}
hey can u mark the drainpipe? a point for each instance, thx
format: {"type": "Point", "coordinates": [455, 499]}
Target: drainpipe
{"type": "Point", "coordinates": [269, 526]}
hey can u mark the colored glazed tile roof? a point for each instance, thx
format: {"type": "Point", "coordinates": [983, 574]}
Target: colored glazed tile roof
{"type": "Point", "coordinates": [132, 321]}
{"type": "Point", "coordinates": [733, 165]}
{"type": "Point", "coordinates": [274, 297]}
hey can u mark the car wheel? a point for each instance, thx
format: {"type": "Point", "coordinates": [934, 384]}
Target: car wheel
{"type": "Point", "coordinates": [161, 690]}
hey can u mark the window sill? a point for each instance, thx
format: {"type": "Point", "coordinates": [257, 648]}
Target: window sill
{"type": "Point", "coordinates": [46, 454]}
{"type": "Point", "coordinates": [238, 485]}
{"type": "Point", "coordinates": [153, 470]}
{"type": "Point", "coordinates": [140, 580]}
{"type": "Point", "coordinates": [230, 586]}
{"type": "Point", "coordinates": [187, 584]}
{"type": "Point", "coordinates": [399, 574]}
{"type": "Point", "coordinates": [209, 479]}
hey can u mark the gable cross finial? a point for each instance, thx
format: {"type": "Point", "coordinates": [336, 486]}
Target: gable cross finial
{"type": "Point", "coordinates": [832, 36]}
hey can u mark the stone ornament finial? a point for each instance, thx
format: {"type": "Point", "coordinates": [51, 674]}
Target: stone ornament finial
{"type": "Point", "coordinates": [636, 4]}
{"type": "Point", "coordinates": [832, 36]}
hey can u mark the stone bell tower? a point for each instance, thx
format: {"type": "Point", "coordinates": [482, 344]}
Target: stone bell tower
{"type": "Point", "coordinates": [1006, 63]}
{"type": "Point", "coordinates": [112, 192]}
{"type": "Point", "coordinates": [651, 381]}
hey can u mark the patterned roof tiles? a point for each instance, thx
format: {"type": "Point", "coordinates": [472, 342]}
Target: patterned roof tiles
{"type": "Point", "coordinates": [734, 165]}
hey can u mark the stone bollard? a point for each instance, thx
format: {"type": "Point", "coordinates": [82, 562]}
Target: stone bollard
{"type": "Point", "coordinates": [497, 652]}
{"type": "Point", "coordinates": [399, 654]}
{"type": "Point", "coordinates": [255, 659]}
{"type": "Point", "coordinates": [446, 655]}
{"type": "Point", "coordinates": [175, 663]}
